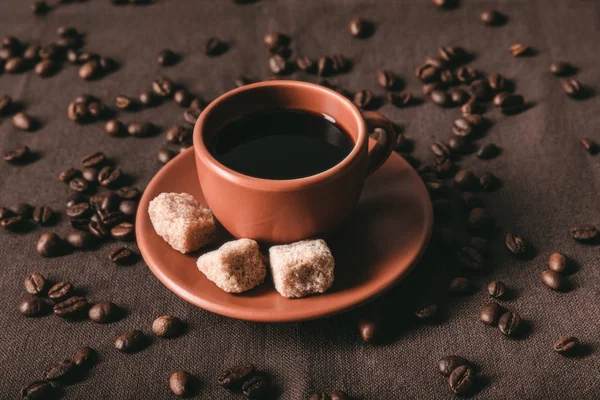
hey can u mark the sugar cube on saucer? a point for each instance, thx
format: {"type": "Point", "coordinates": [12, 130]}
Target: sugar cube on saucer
{"type": "Point", "coordinates": [235, 267]}
{"type": "Point", "coordinates": [182, 221]}
{"type": "Point", "coordinates": [302, 268]}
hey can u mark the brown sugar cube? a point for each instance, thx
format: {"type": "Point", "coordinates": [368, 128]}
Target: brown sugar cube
{"type": "Point", "coordinates": [302, 268]}
{"type": "Point", "coordinates": [182, 221]}
{"type": "Point", "coordinates": [235, 267]}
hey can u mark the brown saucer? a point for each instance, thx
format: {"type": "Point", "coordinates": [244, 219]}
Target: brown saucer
{"type": "Point", "coordinates": [378, 246]}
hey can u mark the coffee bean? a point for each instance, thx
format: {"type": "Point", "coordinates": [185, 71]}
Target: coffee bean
{"type": "Point", "coordinates": [440, 98]}
{"type": "Point", "coordinates": [40, 7]}
{"type": "Point", "coordinates": [482, 245]}
{"type": "Point", "coordinates": [23, 122]}
{"type": "Point", "coordinates": [128, 193]}
{"type": "Point", "coordinates": [509, 102]}
{"type": "Point", "coordinates": [167, 326]}
{"type": "Point", "coordinates": [458, 144]}
{"type": "Point", "coordinates": [320, 396]}
{"type": "Point", "coordinates": [38, 390]}
{"type": "Point", "coordinates": [35, 284]}
{"type": "Point", "coordinates": [557, 262]}
{"type": "Point", "coordinates": [399, 99]}
{"type": "Point", "coordinates": [465, 75]}
{"type": "Point", "coordinates": [79, 210]}
{"type": "Point", "coordinates": [480, 88]}
{"type": "Point", "coordinates": [447, 77]}
{"type": "Point", "coordinates": [234, 377]}
{"type": "Point", "coordinates": [43, 215]}
{"type": "Point", "coordinates": [452, 54]}
{"type": "Point", "coordinates": [458, 96]}
{"type": "Point", "coordinates": [15, 65]}
{"type": "Point", "coordinates": [128, 207]}
{"type": "Point", "coordinates": [572, 88]}
{"type": "Point", "coordinates": [50, 245]}
{"type": "Point", "coordinates": [325, 66]}
{"type": "Point", "coordinates": [489, 182]}
{"type": "Point", "coordinates": [465, 180]}
{"type": "Point", "coordinates": [584, 232]}
{"type": "Point", "coordinates": [492, 17]}
{"type": "Point", "coordinates": [84, 357]}
{"type": "Point", "coordinates": [17, 155]}
{"type": "Point", "coordinates": [90, 70]}
{"type": "Point", "coordinates": [45, 68]}
{"type": "Point", "coordinates": [79, 239]}
{"type": "Point", "coordinates": [90, 174]}
{"type": "Point", "coordinates": [427, 73]}
{"type": "Point", "coordinates": [5, 103]}
{"type": "Point", "coordinates": [490, 313]}
{"type": "Point", "coordinates": [108, 176]}
{"type": "Point", "coordinates": [277, 64]}
{"type": "Point", "coordinates": [104, 312]}
{"type": "Point", "coordinates": [255, 387]}
{"type": "Point", "coordinates": [444, 167]}
{"type": "Point", "coordinates": [123, 231]}
{"type": "Point", "coordinates": [359, 28]}
{"type": "Point", "coordinates": [519, 49]}
{"type": "Point", "coordinates": [479, 221]}
{"type": "Point", "coordinates": [147, 98]}
{"type": "Point", "coordinates": [166, 58]}
{"type": "Point", "coordinates": [121, 255]}
{"type": "Point", "coordinates": [214, 46]}
{"type": "Point", "coordinates": [140, 129]}
{"type": "Point", "coordinates": [32, 307]}
{"type": "Point", "coordinates": [163, 86]}
{"type": "Point", "coordinates": [123, 102]}
{"type": "Point", "coordinates": [23, 209]}
{"type": "Point", "coordinates": [515, 244]}
{"type": "Point", "coordinates": [131, 342]}
{"type": "Point", "coordinates": [340, 64]}
{"type": "Point", "coordinates": [497, 82]}
{"type": "Point", "coordinates": [72, 307]}
{"type": "Point", "coordinates": [588, 144]}
{"type": "Point", "coordinates": [275, 40]}
{"type": "Point", "coordinates": [61, 290]}
{"type": "Point", "coordinates": [110, 218]}
{"type": "Point", "coordinates": [181, 383]}
{"type": "Point", "coordinates": [566, 345]}
{"type": "Point", "coordinates": [509, 323]}
{"type": "Point", "coordinates": [339, 395]}
{"type": "Point", "coordinates": [470, 258]}
{"type": "Point", "coordinates": [449, 363]}
{"type": "Point", "coordinates": [60, 371]}
{"type": "Point", "coordinates": [559, 68]}
{"type": "Point", "coordinates": [461, 379]}
{"type": "Point", "coordinates": [369, 329]}
{"type": "Point", "coordinates": [428, 312]}
{"type": "Point", "coordinates": [470, 107]}
{"type": "Point", "coordinates": [165, 155]}
{"type": "Point", "coordinates": [182, 97]}
{"type": "Point", "coordinates": [191, 114]}
{"type": "Point", "coordinates": [496, 289]}
{"type": "Point", "coordinates": [440, 149]}
{"type": "Point", "coordinates": [306, 64]}
{"type": "Point", "coordinates": [488, 151]}
{"type": "Point", "coordinates": [387, 79]}
{"type": "Point", "coordinates": [179, 135]}
{"type": "Point", "coordinates": [363, 98]}
{"type": "Point", "coordinates": [428, 88]}
{"type": "Point", "coordinates": [554, 280]}
{"type": "Point", "coordinates": [463, 127]}
{"type": "Point", "coordinates": [93, 159]}
{"type": "Point", "coordinates": [13, 223]}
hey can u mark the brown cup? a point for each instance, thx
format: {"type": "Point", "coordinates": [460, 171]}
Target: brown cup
{"type": "Point", "coordinates": [283, 211]}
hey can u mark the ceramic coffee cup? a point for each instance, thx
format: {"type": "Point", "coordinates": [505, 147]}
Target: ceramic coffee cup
{"type": "Point", "coordinates": [283, 211]}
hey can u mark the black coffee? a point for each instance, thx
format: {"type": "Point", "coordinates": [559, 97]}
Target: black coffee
{"type": "Point", "coordinates": [281, 144]}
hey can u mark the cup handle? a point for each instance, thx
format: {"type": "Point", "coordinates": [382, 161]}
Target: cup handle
{"type": "Point", "coordinates": [386, 142]}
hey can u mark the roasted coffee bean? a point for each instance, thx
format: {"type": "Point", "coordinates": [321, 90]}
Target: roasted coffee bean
{"type": "Point", "coordinates": [191, 114]}
{"type": "Point", "coordinates": [121, 255]}
{"type": "Point", "coordinates": [489, 182]}
{"type": "Point", "coordinates": [178, 134]}
{"type": "Point", "coordinates": [166, 58]}
{"type": "Point", "coordinates": [566, 346]}
{"type": "Point", "coordinates": [440, 149]}
{"type": "Point", "coordinates": [444, 167]}
{"type": "Point", "coordinates": [147, 98]}
{"type": "Point", "coordinates": [107, 64]}
{"type": "Point", "coordinates": [98, 229]}
{"type": "Point", "coordinates": [459, 286]}
{"type": "Point", "coordinates": [519, 49]}
{"type": "Point", "coordinates": [554, 280]}
{"type": "Point", "coordinates": [35, 284]}
{"type": "Point", "coordinates": [93, 159]}
{"type": "Point", "coordinates": [123, 232]}
{"type": "Point", "coordinates": [181, 383]}
{"type": "Point", "coordinates": [452, 54]}
{"type": "Point", "coordinates": [23, 122]}
{"type": "Point", "coordinates": [427, 73]}
{"type": "Point", "coordinates": [359, 28]}
{"type": "Point", "coordinates": [12, 223]}
{"type": "Point", "coordinates": [6, 213]}
{"type": "Point", "coordinates": [428, 88]}
{"type": "Point", "coordinates": [50, 245]}
{"type": "Point", "coordinates": [479, 221]}
{"type": "Point", "coordinates": [243, 81]}
{"type": "Point", "coordinates": [23, 209]}
{"type": "Point", "coordinates": [470, 258]}
{"type": "Point", "coordinates": [40, 7]}
{"type": "Point", "coordinates": [463, 127]}
{"type": "Point", "coordinates": [104, 312]}
{"type": "Point", "coordinates": [572, 88]}
{"type": "Point", "coordinates": [482, 245]}
{"type": "Point", "coordinates": [84, 357]}
{"type": "Point", "coordinates": [61, 290]}
{"type": "Point", "coordinates": [440, 98]}
{"type": "Point", "coordinates": [234, 377]}
{"type": "Point", "coordinates": [278, 65]}
{"type": "Point", "coordinates": [363, 98]}
{"type": "Point", "coordinates": [131, 342]}
{"type": "Point", "coordinates": [428, 312]}
{"type": "Point", "coordinates": [399, 99]}
{"type": "Point", "coordinates": [480, 88]}
{"type": "Point", "coordinates": [496, 289]}
{"type": "Point", "coordinates": [320, 396]}
{"type": "Point", "coordinates": [72, 307]}
{"type": "Point", "coordinates": [167, 326]}
{"type": "Point", "coordinates": [447, 77]}
{"type": "Point", "coordinates": [490, 313]}
{"type": "Point", "coordinates": [275, 40]}
{"type": "Point", "coordinates": [497, 82]}
{"type": "Point", "coordinates": [165, 155]}
{"type": "Point", "coordinates": [515, 244]}
{"type": "Point", "coordinates": [38, 390]}
{"type": "Point", "coordinates": [255, 387]}
{"type": "Point", "coordinates": [15, 65]}
{"type": "Point", "coordinates": [509, 323]}
{"type": "Point", "coordinates": [557, 262]}
{"type": "Point", "coordinates": [449, 363]}
{"type": "Point", "coordinates": [123, 102]}
{"type": "Point", "coordinates": [140, 129]}
{"type": "Point", "coordinates": [387, 79]}
{"type": "Point", "coordinates": [465, 180]}
{"type": "Point", "coordinates": [45, 68]}
{"type": "Point", "coordinates": [488, 151]}
{"type": "Point", "coordinates": [325, 66]}
{"type": "Point", "coordinates": [306, 64]}
{"type": "Point", "coordinates": [108, 176]}
{"type": "Point", "coordinates": [78, 210]}
{"type": "Point", "coordinates": [90, 70]}
{"type": "Point", "coordinates": [163, 86]}
{"type": "Point", "coordinates": [5, 103]}
{"type": "Point", "coordinates": [339, 395]}
{"type": "Point", "coordinates": [369, 329]}
{"type": "Point", "coordinates": [110, 218]}
{"type": "Point", "coordinates": [128, 193]}
{"type": "Point", "coordinates": [465, 75]}
{"type": "Point", "coordinates": [508, 101]}
{"type": "Point", "coordinates": [461, 379]}
{"type": "Point", "coordinates": [584, 232]}
{"type": "Point", "coordinates": [477, 120]}
{"type": "Point", "coordinates": [32, 307]}
{"type": "Point", "coordinates": [492, 17]}
{"type": "Point", "coordinates": [559, 68]}
{"type": "Point", "coordinates": [17, 155]}
{"type": "Point", "coordinates": [128, 207]}
{"type": "Point", "coordinates": [60, 371]}
{"type": "Point", "coordinates": [95, 109]}
{"type": "Point", "coordinates": [588, 144]}
{"type": "Point", "coordinates": [458, 144]}
{"type": "Point", "coordinates": [458, 96]}
{"type": "Point", "coordinates": [182, 97]}
{"type": "Point", "coordinates": [79, 239]}
{"type": "Point", "coordinates": [90, 174]}
{"type": "Point", "coordinates": [470, 107]}
{"type": "Point", "coordinates": [214, 46]}
{"type": "Point", "coordinates": [43, 215]}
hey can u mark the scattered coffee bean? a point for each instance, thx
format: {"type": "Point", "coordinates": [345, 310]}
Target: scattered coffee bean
{"type": "Point", "coordinates": [320, 396]}
{"type": "Point", "coordinates": [163, 86]}
{"type": "Point", "coordinates": [93, 159]}
{"type": "Point", "coordinates": [166, 58]}
{"type": "Point", "coordinates": [508, 102]}
{"type": "Point", "coordinates": [60, 371]}
{"type": "Point", "coordinates": [490, 313]}
{"type": "Point", "coordinates": [98, 230]}
{"type": "Point", "coordinates": [363, 98]}
{"type": "Point", "coordinates": [459, 286]}
{"type": "Point", "coordinates": [509, 323]}
{"type": "Point", "coordinates": [572, 88]}
{"type": "Point", "coordinates": [165, 155]}
{"type": "Point", "coordinates": [234, 377]}
{"type": "Point", "coordinates": [557, 262]}
{"type": "Point", "coordinates": [121, 255]}
{"type": "Point", "coordinates": [465, 179]}
{"type": "Point", "coordinates": [519, 49]}
{"type": "Point", "coordinates": [492, 17]}
{"type": "Point", "coordinates": [306, 64]}
{"type": "Point", "coordinates": [32, 307]}
{"type": "Point", "coordinates": [339, 395]}
{"type": "Point", "coordinates": [588, 144]}
{"type": "Point", "coordinates": [561, 68]}
{"type": "Point", "coordinates": [470, 107]}
{"type": "Point", "coordinates": [497, 82]}
{"type": "Point", "coordinates": [38, 390]}
{"type": "Point", "coordinates": [128, 193]}
{"type": "Point", "coordinates": [90, 70]}
{"type": "Point", "coordinates": [12, 223]}
{"type": "Point", "coordinates": [470, 258]}
{"type": "Point", "coordinates": [387, 79]}
{"type": "Point", "coordinates": [90, 174]}
{"type": "Point", "coordinates": [496, 289]}
{"type": "Point", "coordinates": [131, 342]}
{"type": "Point", "coordinates": [458, 96]}
{"type": "Point", "coordinates": [67, 175]}
{"type": "Point", "coordinates": [440, 98]}
{"type": "Point", "coordinates": [515, 244]}
{"type": "Point", "coordinates": [465, 75]}
{"type": "Point", "coordinates": [553, 280]}
{"type": "Point", "coordinates": [256, 387]}
{"type": "Point", "coordinates": [584, 232]}
{"type": "Point", "coordinates": [440, 149]}
{"type": "Point", "coordinates": [427, 73]}
{"type": "Point", "coordinates": [15, 65]}
{"type": "Point", "coordinates": [104, 312]}
{"type": "Point", "coordinates": [84, 357]}
{"type": "Point", "coordinates": [480, 88]}
{"type": "Point", "coordinates": [167, 326]}
{"type": "Point", "coordinates": [128, 207]}
{"type": "Point", "coordinates": [458, 144]}
{"type": "Point", "coordinates": [489, 182]}
{"type": "Point", "coordinates": [45, 68]}
{"type": "Point", "coordinates": [123, 102]}
{"type": "Point", "coordinates": [140, 129]}
{"type": "Point", "coordinates": [60, 291]}
{"type": "Point", "coordinates": [72, 307]}
{"type": "Point", "coordinates": [5, 103]}
{"type": "Point", "coordinates": [50, 245]}
{"type": "Point", "coordinates": [428, 88]}
{"type": "Point", "coordinates": [399, 99]}
{"type": "Point", "coordinates": [566, 346]}
{"type": "Point", "coordinates": [182, 97]}
{"type": "Point", "coordinates": [278, 65]}
{"type": "Point", "coordinates": [447, 77]}
{"type": "Point", "coordinates": [147, 98]}
{"type": "Point", "coordinates": [449, 363]}
{"type": "Point", "coordinates": [108, 176]}
{"type": "Point", "coordinates": [17, 155]}
{"type": "Point", "coordinates": [488, 151]}
{"type": "Point", "coordinates": [359, 28]}
{"type": "Point", "coordinates": [79, 239]}
{"type": "Point", "coordinates": [479, 221]}
{"type": "Point", "coordinates": [452, 54]}
{"type": "Point", "coordinates": [35, 284]}
{"type": "Point", "coordinates": [79, 210]}
{"type": "Point", "coordinates": [275, 40]}
{"type": "Point", "coordinates": [123, 231]}
{"type": "Point", "coordinates": [461, 379]}
{"type": "Point", "coordinates": [43, 215]}
{"type": "Point", "coordinates": [463, 127]}
{"type": "Point", "coordinates": [369, 329]}
{"type": "Point", "coordinates": [23, 122]}
{"type": "Point", "coordinates": [427, 312]}
{"type": "Point", "coordinates": [191, 114]}
{"type": "Point", "coordinates": [181, 383]}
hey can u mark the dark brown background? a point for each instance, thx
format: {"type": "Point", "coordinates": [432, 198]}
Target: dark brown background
{"type": "Point", "coordinates": [549, 184]}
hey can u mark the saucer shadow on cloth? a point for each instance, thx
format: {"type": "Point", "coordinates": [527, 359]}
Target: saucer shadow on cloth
{"type": "Point", "coordinates": [378, 245]}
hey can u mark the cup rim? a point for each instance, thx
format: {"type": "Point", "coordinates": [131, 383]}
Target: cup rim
{"type": "Point", "coordinates": [201, 150]}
